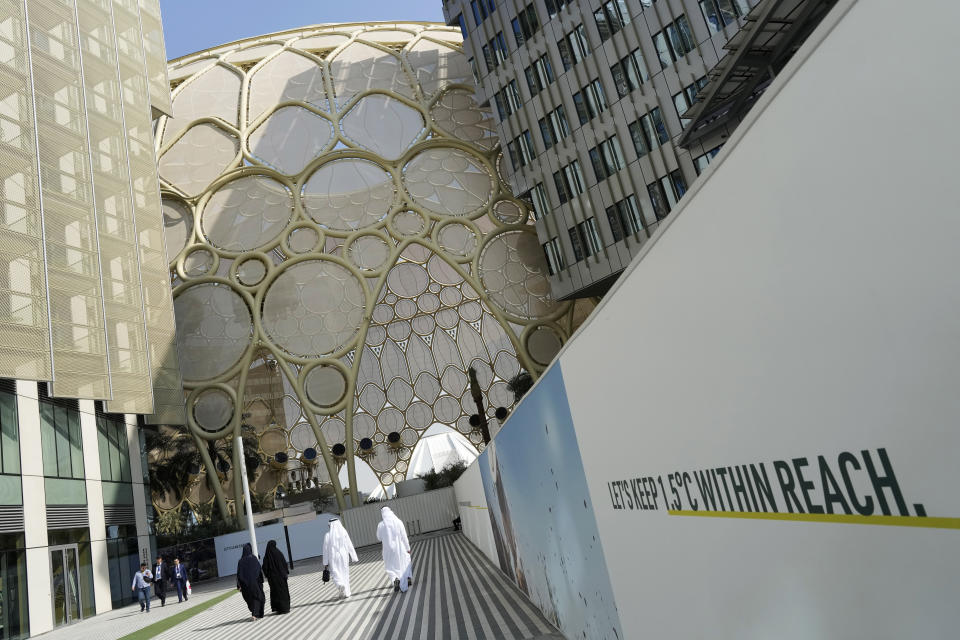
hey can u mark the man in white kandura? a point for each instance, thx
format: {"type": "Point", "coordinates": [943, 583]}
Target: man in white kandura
{"type": "Point", "coordinates": [338, 551]}
{"type": "Point", "coordinates": [396, 550]}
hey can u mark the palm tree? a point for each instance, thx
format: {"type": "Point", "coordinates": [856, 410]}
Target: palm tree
{"type": "Point", "coordinates": [520, 384]}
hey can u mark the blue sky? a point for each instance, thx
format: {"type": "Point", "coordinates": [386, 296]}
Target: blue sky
{"type": "Point", "coordinates": [192, 25]}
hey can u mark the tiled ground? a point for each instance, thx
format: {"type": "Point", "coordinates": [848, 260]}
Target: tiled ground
{"type": "Point", "coordinates": [457, 594]}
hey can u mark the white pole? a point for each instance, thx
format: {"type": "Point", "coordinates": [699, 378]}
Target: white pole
{"type": "Point", "coordinates": [239, 459]}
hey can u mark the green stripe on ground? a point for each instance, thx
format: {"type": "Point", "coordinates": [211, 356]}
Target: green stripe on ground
{"type": "Point", "coordinates": [157, 628]}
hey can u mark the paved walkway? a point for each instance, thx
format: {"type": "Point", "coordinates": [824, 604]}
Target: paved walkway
{"type": "Point", "coordinates": [457, 594]}
{"type": "Point", "coordinates": [120, 622]}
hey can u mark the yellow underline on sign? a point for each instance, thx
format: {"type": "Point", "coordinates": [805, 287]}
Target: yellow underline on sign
{"type": "Point", "coordinates": [840, 518]}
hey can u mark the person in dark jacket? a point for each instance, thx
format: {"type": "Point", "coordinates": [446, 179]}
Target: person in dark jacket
{"type": "Point", "coordinates": [161, 574]}
{"type": "Point", "coordinates": [250, 582]}
{"type": "Point", "coordinates": [179, 575]}
{"type": "Point", "coordinates": [275, 568]}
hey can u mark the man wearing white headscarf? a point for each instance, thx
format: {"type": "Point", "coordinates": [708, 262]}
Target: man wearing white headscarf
{"type": "Point", "coordinates": [396, 549]}
{"type": "Point", "coordinates": [338, 551]}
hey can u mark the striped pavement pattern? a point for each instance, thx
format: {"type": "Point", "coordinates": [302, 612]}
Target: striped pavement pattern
{"type": "Point", "coordinates": [457, 594]}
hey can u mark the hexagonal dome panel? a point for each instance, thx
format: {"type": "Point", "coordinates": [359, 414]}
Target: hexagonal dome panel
{"type": "Point", "coordinates": [383, 125]}
{"type": "Point", "coordinates": [290, 138]}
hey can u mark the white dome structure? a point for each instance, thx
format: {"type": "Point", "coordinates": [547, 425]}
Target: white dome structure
{"type": "Point", "coordinates": [343, 249]}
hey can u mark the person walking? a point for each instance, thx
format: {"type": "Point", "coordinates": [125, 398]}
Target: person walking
{"type": "Point", "coordinates": [338, 551]}
{"type": "Point", "coordinates": [161, 574]}
{"type": "Point", "coordinates": [141, 586]}
{"type": "Point", "coordinates": [275, 568]}
{"type": "Point", "coordinates": [250, 582]}
{"type": "Point", "coordinates": [179, 574]}
{"type": "Point", "coordinates": [396, 550]}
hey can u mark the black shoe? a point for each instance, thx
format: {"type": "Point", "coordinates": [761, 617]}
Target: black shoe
{"type": "Point", "coordinates": [409, 581]}
{"type": "Point", "coordinates": [396, 585]}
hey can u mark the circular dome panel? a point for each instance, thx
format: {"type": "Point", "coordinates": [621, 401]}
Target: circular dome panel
{"type": "Point", "coordinates": [513, 272]}
{"type": "Point", "coordinates": [213, 410]}
{"type": "Point", "coordinates": [325, 385]}
{"type": "Point", "coordinates": [313, 308]}
{"type": "Point", "coordinates": [213, 330]}
{"type": "Point", "coordinates": [348, 194]}
{"type": "Point", "coordinates": [448, 181]}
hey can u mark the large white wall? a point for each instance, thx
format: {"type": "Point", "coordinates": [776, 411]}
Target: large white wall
{"type": "Point", "coordinates": [474, 517]}
{"type": "Point", "coordinates": [804, 302]}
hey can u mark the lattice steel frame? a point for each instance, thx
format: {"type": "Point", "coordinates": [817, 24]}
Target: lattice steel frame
{"type": "Point", "coordinates": [511, 235]}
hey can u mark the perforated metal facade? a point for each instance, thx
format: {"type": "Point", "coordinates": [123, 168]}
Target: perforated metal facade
{"type": "Point", "coordinates": [343, 250]}
{"type": "Point", "coordinates": [81, 224]}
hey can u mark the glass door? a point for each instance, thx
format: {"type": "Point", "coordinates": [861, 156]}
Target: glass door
{"type": "Point", "coordinates": [65, 579]}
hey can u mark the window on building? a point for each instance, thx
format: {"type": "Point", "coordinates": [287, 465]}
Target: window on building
{"type": "Point", "coordinates": [685, 99]}
{"type": "Point", "coordinates": [590, 101]}
{"type": "Point", "coordinates": [624, 218]}
{"type": "Point", "coordinates": [114, 449]}
{"type": "Point", "coordinates": [521, 150]}
{"type": "Point", "coordinates": [554, 258]}
{"type": "Point", "coordinates": [554, 127]}
{"type": "Point", "coordinates": [9, 433]}
{"type": "Point", "coordinates": [720, 13]}
{"type": "Point", "coordinates": [607, 158]}
{"type": "Point", "coordinates": [648, 132]}
{"type": "Point", "coordinates": [554, 6]}
{"type": "Point", "coordinates": [479, 11]}
{"type": "Point", "coordinates": [611, 17]}
{"type": "Point", "coordinates": [536, 200]}
{"type": "Point", "coordinates": [541, 205]}
{"type": "Point", "coordinates": [539, 75]}
{"type": "Point", "coordinates": [495, 51]}
{"type": "Point", "coordinates": [463, 26]}
{"type": "Point", "coordinates": [629, 73]}
{"type": "Point", "coordinates": [702, 161]}
{"type": "Point", "coordinates": [576, 243]}
{"type": "Point", "coordinates": [585, 239]}
{"type": "Point", "coordinates": [569, 181]}
{"type": "Point", "coordinates": [590, 236]}
{"type": "Point", "coordinates": [507, 100]}
{"type": "Point", "coordinates": [574, 47]}
{"type": "Point", "coordinates": [60, 438]}
{"type": "Point", "coordinates": [665, 192]}
{"type": "Point", "coordinates": [525, 24]}
{"type": "Point", "coordinates": [475, 70]}
{"type": "Point", "coordinates": [674, 42]}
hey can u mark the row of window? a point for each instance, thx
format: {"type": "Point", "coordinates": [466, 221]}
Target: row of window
{"type": "Point", "coordinates": [685, 99]}
{"type": "Point", "coordinates": [573, 47]}
{"type": "Point", "coordinates": [624, 218]}
{"type": "Point", "coordinates": [507, 100]}
{"type": "Point", "coordinates": [607, 158]}
{"type": "Point", "coordinates": [525, 25]}
{"type": "Point", "coordinates": [482, 9]}
{"type": "Point", "coordinates": [539, 75]}
{"type": "Point", "coordinates": [611, 17]}
{"type": "Point", "coordinates": [590, 101]}
{"type": "Point", "coordinates": [521, 150]}
{"type": "Point", "coordinates": [554, 127]}
{"type": "Point", "coordinates": [629, 73]}
{"type": "Point", "coordinates": [495, 51]}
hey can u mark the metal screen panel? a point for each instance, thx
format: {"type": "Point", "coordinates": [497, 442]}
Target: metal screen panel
{"type": "Point", "coordinates": [157, 298]}
{"type": "Point", "coordinates": [123, 300]}
{"type": "Point", "coordinates": [156, 57]}
{"type": "Point", "coordinates": [24, 320]}
{"type": "Point", "coordinates": [81, 368]}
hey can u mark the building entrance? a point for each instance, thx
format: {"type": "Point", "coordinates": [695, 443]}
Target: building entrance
{"type": "Point", "coordinates": [65, 578]}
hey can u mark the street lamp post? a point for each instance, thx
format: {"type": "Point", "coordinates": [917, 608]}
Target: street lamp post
{"type": "Point", "coordinates": [238, 455]}
{"type": "Point", "coordinates": [479, 419]}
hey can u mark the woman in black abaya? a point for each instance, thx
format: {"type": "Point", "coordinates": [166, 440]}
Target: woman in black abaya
{"type": "Point", "coordinates": [250, 581]}
{"type": "Point", "coordinates": [275, 568]}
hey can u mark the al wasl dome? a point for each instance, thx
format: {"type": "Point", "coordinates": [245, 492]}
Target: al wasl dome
{"type": "Point", "coordinates": [342, 249]}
